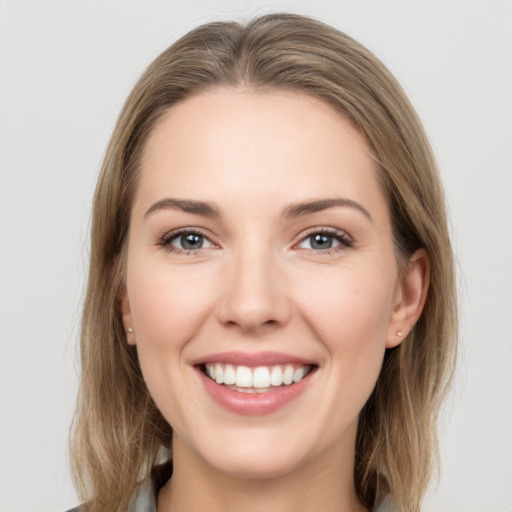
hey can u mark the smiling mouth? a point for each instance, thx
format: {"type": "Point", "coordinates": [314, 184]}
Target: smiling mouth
{"type": "Point", "coordinates": [260, 379]}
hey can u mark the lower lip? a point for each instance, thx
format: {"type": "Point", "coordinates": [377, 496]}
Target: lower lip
{"type": "Point", "coordinates": [254, 404]}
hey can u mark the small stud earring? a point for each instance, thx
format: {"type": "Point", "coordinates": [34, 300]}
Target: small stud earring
{"type": "Point", "coordinates": [399, 333]}
{"type": "Point", "coordinates": [129, 329]}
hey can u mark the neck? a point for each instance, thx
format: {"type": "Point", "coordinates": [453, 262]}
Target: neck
{"type": "Point", "coordinates": [324, 483]}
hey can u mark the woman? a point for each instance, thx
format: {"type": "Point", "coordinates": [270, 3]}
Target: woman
{"type": "Point", "coordinates": [271, 299]}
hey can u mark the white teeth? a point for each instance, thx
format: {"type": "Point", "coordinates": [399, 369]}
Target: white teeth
{"type": "Point", "coordinates": [258, 379]}
{"type": "Point", "coordinates": [243, 377]}
{"type": "Point", "coordinates": [229, 375]}
{"type": "Point", "coordinates": [219, 374]}
{"type": "Point", "coordinates": [299, 374]}
{"type": "Point", "coordinates": [288, 374]}
{"type": "Point", "coordinates": [261, 377]}
{"type": "Point", "coordinates": [276, 376]}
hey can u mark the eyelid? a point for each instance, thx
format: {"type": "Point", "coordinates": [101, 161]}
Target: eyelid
{"type": "Point", "coordinates": [165, 241]}
{"type": "Point", "coordinates": [345, 240]}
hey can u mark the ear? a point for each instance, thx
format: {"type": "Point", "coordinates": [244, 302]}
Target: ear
{"type": "Point", "coordinates": [126, 314]}
{"type": "Point", "coordinates": [410, 297]}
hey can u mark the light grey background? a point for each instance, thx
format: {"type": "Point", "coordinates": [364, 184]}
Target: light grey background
{"type": "Point", "coordinates": [65, 69]}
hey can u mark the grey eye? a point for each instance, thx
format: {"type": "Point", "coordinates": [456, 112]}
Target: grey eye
{"type": "Point", "coordinates": [319, 242]}
{"type": "Point", "coordinates": [190, 242]}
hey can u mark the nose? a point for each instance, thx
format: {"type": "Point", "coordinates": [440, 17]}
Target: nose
{"type": "Point", "coordinates": [254, 297]}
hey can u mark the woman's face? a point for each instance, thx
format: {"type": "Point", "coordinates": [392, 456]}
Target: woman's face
{"type": "Point", "coordinates": [260, 253]}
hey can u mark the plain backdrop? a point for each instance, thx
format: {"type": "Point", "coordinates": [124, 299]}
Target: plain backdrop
{"type": "Point", "coordinates": [65, 70]}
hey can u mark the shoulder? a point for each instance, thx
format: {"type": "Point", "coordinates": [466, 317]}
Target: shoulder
{"type": "Point", "coordinates": [143, 499]}
{"type": "Point", "coordinates": [386, 505]}
{"type": "Point", "coordinates": [144, 496]}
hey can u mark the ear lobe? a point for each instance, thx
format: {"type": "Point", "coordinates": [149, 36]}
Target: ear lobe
{"type": "Point", "coordinates": [126, 315]}
{"type": "Point", "coordinates": [410, 298]}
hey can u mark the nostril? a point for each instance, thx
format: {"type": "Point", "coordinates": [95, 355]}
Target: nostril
{"type": "Point", "coordinates": [252, 300]}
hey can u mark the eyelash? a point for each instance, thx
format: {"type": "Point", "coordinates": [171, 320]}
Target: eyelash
{"type": "Point", "coordinates": [167, 239]}
{"type": "Point", "coordinates": [345, 242]}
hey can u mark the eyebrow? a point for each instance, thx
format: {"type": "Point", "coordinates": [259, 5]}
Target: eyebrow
{"type": "Point", "coordinates": [186, 205]}
{"type": "Point", "coordinates": [300, 209]}
{"type": "Point", "coordinates": [295, 210]}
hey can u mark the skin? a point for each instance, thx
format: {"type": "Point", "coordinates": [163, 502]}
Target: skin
{"type": "Point", "coordinates": [259, 284]}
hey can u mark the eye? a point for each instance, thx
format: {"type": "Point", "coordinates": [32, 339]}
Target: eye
{"type": "Point", "coordinates": [185, 241]}
{"type": "Point", "coordinates": [325, 240]}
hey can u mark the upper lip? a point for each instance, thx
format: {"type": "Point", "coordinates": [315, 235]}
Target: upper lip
{"type": "Point", "coordinates": [252, 359]}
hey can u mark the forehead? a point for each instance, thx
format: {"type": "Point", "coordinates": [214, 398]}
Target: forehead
{"type": "Point", "coordinates": [223, 116]}
{"type": "Point", "coordinates": [248, 144]}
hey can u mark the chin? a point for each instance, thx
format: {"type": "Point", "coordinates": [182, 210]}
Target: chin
{"type": "Point", "coordinates": [257, 466]}
{"type": "Point", "coordinates": [257, 453]}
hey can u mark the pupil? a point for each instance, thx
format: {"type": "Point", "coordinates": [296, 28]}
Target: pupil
{"type": "Point", "coordinates": [191, 241]}
{"type": "Point", "coordinates": [321, 241]}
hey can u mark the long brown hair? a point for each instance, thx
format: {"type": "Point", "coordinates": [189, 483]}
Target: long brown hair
{"type": "Point", "coordinates": [119, 434]}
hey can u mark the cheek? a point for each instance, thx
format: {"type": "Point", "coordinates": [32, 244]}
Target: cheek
{"type": "Point", "coordinates": [168, 308]}
{"type": "Point", "coordinates": [348, 316]}
{"type": "Point", "coordinates": [167, 305]}
{"type": "Point", "coordinates": [349, 313]}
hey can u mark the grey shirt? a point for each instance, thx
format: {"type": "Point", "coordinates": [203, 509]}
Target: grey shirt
{"type": "Point", "coordinates": [144, 500]}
